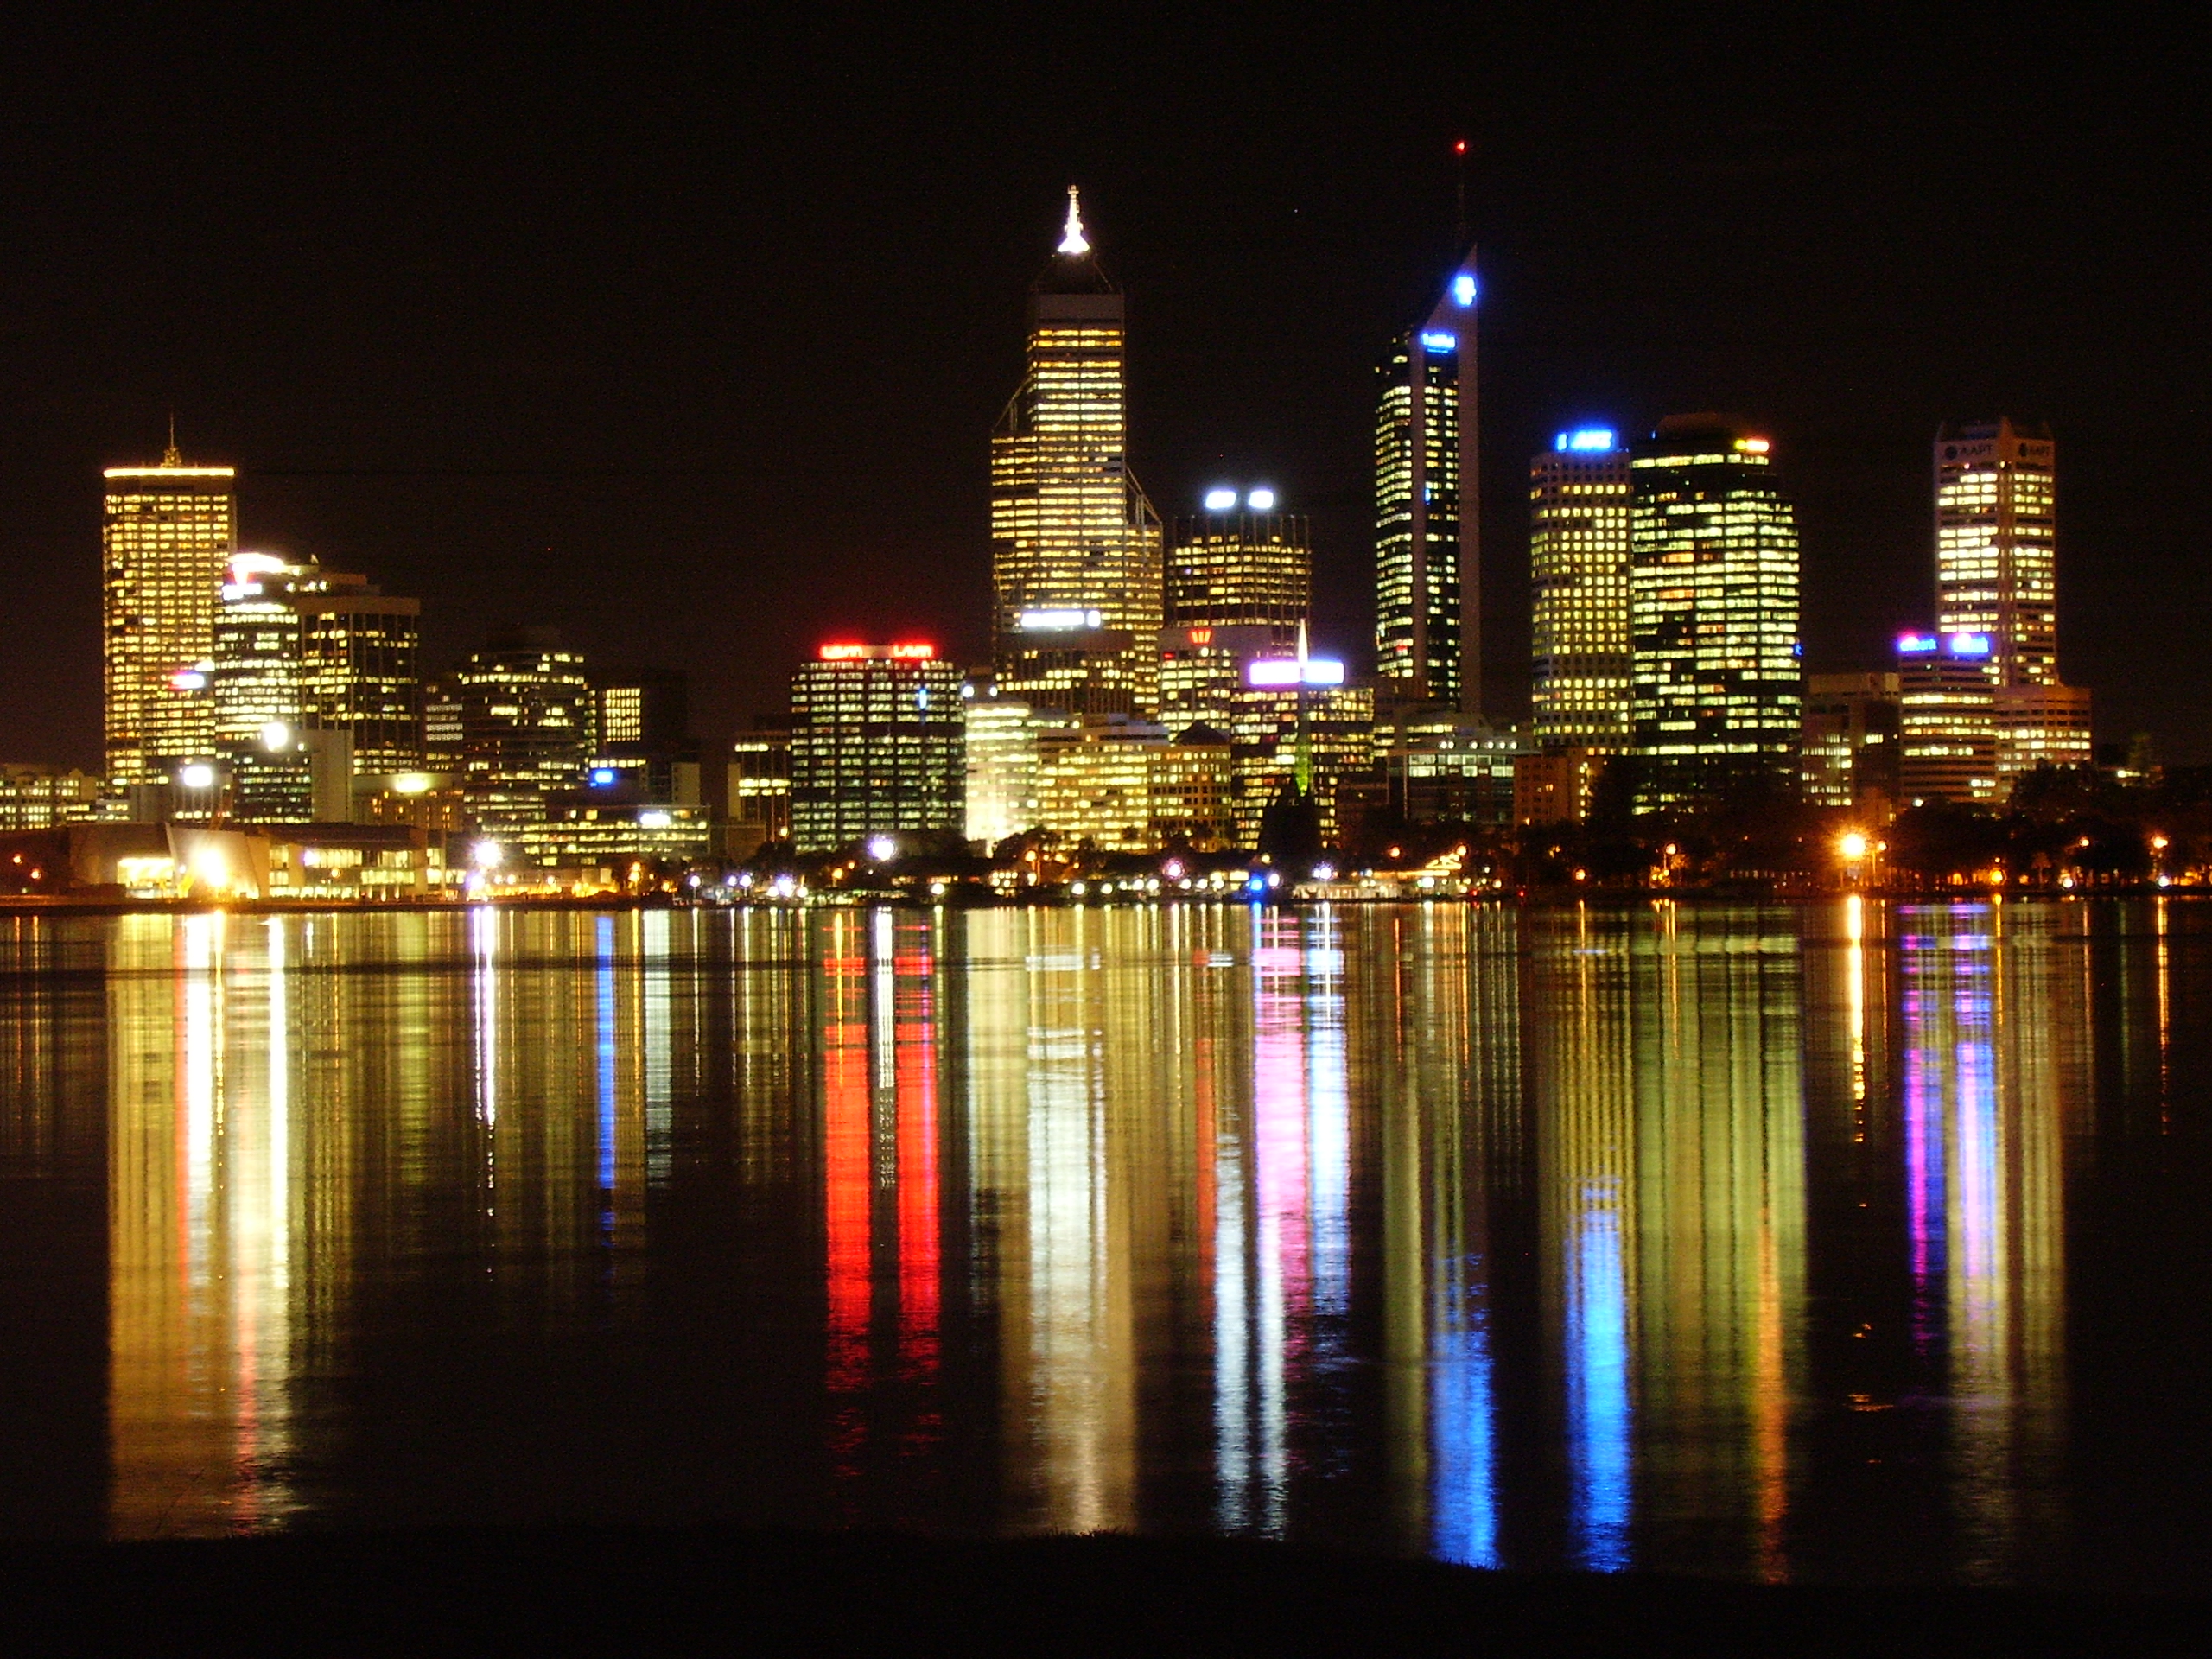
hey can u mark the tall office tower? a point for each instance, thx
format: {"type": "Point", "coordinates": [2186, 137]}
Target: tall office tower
{"type": "Point", "coordinates": [1947, 697]}
{"type": "Point", "coordinates": [760, 791]}
{"type": "Point", "coordinates": [360, 651]}
{"type": "Point", "coordinates": [1718, 688]}
{"type": "Point", "coordinates": [876, 746]}
{"type": "Point", "coordinates": [1578, 579]}
{"type": "Point", "coordinates": [1075, 545]}
{"type": "Point", "coordinates": [1996, 573]}
{"type": "Point", "coordinates": [166, 533]}
{"type": "Point", "coordinates": [525, 727]}
{"type": "Point", "coordinates": [1241, 563]}
{"type": "Point", "coordinates": [1001, 745]}
{"type": "Point", "coordinates": [1428, 535]}
{"type": "Point", "coordinates": [256, 683]}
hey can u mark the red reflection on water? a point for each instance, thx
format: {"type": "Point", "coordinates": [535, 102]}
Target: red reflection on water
{"type": "Point", "coordinates": [847, 1188]}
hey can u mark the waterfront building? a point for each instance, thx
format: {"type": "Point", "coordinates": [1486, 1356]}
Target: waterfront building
{"type": "Point", "coordinates": [760, 791]}
{"type": "Point", "coordinates": [1193, 789]}
{"type": "Point", "coordinates": [1093, 783]}
{"type": "Point", "coordinates": [1296, 722]}
{"type": "Point", "coordinates": [1579, 583]}
{"type": "Point", "coordinates": [613, 839]}
{"type": "Point", "coordinates": [1002, 760]}
{"type": "Point", "coordinates": [1553, 785]}
{"type": "Point", "coordinates": [166, 533]}
{"type": "Point", "coordinates": [40, 797]}
{"type": "Point", "coordinates": [1439, 769]}
{"type": "Point", "coordinates": [1996, 574]}
{"type": "Point", "coordinates": [1947, 704]}
{"type": "Point", "coordinates": [1076, 553]}
{"type": "Point", "coordinates": [1717, 687]}
{"type": "Point", "coordinates": [877, 745]}
{"type": "Point", "coordinates": [1427, 547]}
{"type": "Point", "coordinates": [1240, 563]}
{"type": "Point", "coordinates": [1848, 744]}
{"type": "Point", "coordinates": [525, 720]}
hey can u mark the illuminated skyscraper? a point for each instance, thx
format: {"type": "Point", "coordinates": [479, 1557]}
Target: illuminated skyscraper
{"type": "Point", "coordinates": [1427, 545]}
{"type": "Point", "coordinates": [1718, 690]}
{"type": "Point", "coordinates": [1242, 562]}
{"type": "Point", "coordinates": [168, 532]}
{"type": "Point", "coordinates": [1578, 578]}
{"type": "Point", "coordinates": [1075, 545]}
{"type": "Point", "coordinates": [256, 677]}
{"type": "Point", "coordinates": [1996, 574]}
{"type": "Point", "coordinates": [876, 746]}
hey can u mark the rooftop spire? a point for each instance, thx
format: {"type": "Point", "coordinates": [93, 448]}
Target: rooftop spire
{"type": "Point", "coordinates": [171, 456]}
{"type": "Point", "coordinates": [1072, 239]}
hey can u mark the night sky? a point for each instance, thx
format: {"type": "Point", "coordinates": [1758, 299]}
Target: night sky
{"type": "Point", "coordinates": [687, 337]}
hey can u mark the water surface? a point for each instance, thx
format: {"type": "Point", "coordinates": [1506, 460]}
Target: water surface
{"type": "Point", "coordinates": [1844, 1242]}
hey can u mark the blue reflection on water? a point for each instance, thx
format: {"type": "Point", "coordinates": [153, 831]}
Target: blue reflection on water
{"type": "Point", "coordinates": [1463, 1495]}
{"type": "Point", "coordinates": [1597, 1379]}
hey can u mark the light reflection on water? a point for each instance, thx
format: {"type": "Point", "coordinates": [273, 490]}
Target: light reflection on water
{"type": "Point", "coordinates": [1723, 1240]}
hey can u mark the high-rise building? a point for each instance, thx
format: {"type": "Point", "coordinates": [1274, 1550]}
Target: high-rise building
{"type": "Point", "coordinates": [1848, 748]}
{"type": "Point", "coordinates": [1716, 686]}
{"type": "Point", "coordinates": [1997, 575]}
{"type": "Point", "coordinates": [642, 746]}
{"type": "Point", "coordinates": [361, 651]}
{"type": "Point", "coordinates": [313, 682]}
{"type": "Point", "coordinates": [1076, 549]}
{"type": "Point", "coordinates": [1240, 563]}
{"type": "Point", "coordinates": [255, 689]}
{"type": "Point", "coordinates": [1427, 546]}
{"type": "Point", "coordinates": [526, 722]}
{"type": "Point", "coordinates": [760, 783]}
{"type": "Point", "coordinates": [166, 533]}
{"type": "Point", "coordinates": [1577, 582]}
{"type": "Point", "coordinates": [1003, 754]}
{"type": "Point", "coordinates": [1946, 694]}
{"type": "Point", "coordinates": [876, 746]}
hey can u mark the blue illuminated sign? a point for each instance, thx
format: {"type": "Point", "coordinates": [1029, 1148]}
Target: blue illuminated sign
{"type": "Point", "coordinates": [1463, 288]}
{"type": "Point", "coordinates": [1969, 644]}
{"type": "Point", "coordinates": [1437, 340]}
{"type": "Point", "coordinates": [602, 776]}
{"type": "Point", "coordinates": [1584, 440]}
{"type": "Point", "coordinates": [1916, 645]}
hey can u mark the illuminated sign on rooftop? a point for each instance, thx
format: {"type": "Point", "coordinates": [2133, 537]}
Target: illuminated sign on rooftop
{"type": "Point", "coordinates": [1584, 440]}
{"type": "Point", "coordinates": [1221, 500]}
{"type": "Point", "coordinates": [1463, 288]}
{"type": "Point", "coordinates": [1437, 340]}
{"type": "Point", "coordinates": [1063, 621]}
{"type": "Point", "coordinates": [1277, 672]}
{"type": "Point", "coordinates": [1260, 501]}
{"type": "Point", "coordinates": [1970, 644]}
{"type": "Point", "coordinates": [899, 653]}
{"type": "Point", "coordinates": [1916, 645]}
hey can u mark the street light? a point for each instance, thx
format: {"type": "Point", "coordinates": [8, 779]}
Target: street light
{"type": "Point", "coordinates": [1853, 846]}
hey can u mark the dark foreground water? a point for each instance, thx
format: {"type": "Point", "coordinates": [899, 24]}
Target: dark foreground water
{"type": "Point", "coordinates": [1828, 1242]}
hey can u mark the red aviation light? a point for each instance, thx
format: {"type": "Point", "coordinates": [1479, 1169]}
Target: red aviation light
{"type": "Point", "coordinates": [913, 653]}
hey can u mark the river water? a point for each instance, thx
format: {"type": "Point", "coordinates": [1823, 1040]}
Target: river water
{"type": "Point", "coordinates": [1845, 1242]}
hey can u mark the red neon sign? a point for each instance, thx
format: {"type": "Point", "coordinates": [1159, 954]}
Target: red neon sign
{"type": "Point", "coordinates": [842, 654]}
{"type": "Point", "coordinates": [913, 653]}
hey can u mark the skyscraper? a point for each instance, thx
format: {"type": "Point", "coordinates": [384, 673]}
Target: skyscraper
{"type": "Point", "coordinates": [255, 676]}
{"type": "Point", "coordinates": [525, 720]}
{"type": "Point", "coordinates": [1075, 545]}
{"type": "Point", "coordinates": [1718, 688]}
{"type": "Point", "coordinates": [360, 650]}
{"type": "Point", "coordinates": [166, 533]}
{"type": "Point", "coordinates": [1996, 574]}
{"type": "Point", "coordinates": [1428, 539]}
{"type": "Point", "coordinates": [1577, 580]}
{"type": "Point", "coordinates": [1241, 563]}
{"type": "Point", "coordinates": [876, 745]}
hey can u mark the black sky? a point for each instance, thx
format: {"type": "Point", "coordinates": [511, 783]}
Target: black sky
{"type": "Point", "coordinates": [686, 333]}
